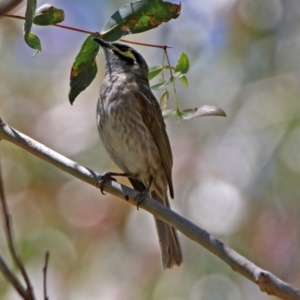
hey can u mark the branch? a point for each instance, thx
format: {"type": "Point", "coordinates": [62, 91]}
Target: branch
{"type": "Point", "coordinates": [12, 249]}
{"type": "Point", "coordinates": [10, 277]}
{"type": "Point", "coordinates": [266, 281]}
{"type": "Point", "coordinates": [45, 269]}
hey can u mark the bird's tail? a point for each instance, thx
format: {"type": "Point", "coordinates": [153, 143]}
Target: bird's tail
{"type": "Point", "coordinates": [167, 235]}
{"type": "Point", "coordinates": [168, 239]}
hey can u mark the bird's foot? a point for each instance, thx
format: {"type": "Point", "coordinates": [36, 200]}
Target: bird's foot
{"type": "Point", "coordinates": [108, 176]}
{"type": "Point", "coordinates": [141, 197]}
{"type": "Point", "coordinates": [103, 178]}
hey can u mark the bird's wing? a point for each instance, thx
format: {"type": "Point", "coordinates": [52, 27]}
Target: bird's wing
{"type": "Point", "coordinates": [153, 119]}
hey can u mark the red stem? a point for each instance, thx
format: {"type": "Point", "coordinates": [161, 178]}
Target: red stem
{"type": "Point", "coordinates": [89, 32]}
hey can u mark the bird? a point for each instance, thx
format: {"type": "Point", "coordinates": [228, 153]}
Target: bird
{"type": "Point", "coordinates": [133, 132]}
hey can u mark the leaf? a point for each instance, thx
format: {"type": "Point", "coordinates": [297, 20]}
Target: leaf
{"type": "Point", "coordinates": [184, 81]}
{"type": "Point", "coordinates": [29, 15]}
{"type": "Point", "coordinates": [164, 98]}
{"type": "Point", "coordinates": [31, 39]}
{"type": "Point", "coordinates": [161, 85]}
{"type": "Point", "coordinates": [154, 71]}
{"type": "Point", "coordinates": [167, 113]}
{"type": "Point", "coordinates": [183, 64]}
{"type": "Point", "coordinates": [33, 42]}
{"type": "Point", "coordinates": [84, 68]}
{"type": "Point", "coordinates": [202, 111]}
{"type": "Point", "coordinates": [48, 15]}
{"type": "Point", "coordinates": [139, 16]}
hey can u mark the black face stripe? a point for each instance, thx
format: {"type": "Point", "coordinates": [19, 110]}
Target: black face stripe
{"type": "Point", "coordinates": [123, 48]}
{"type": "Point", "coordinates": [124, 52]}
{"type": "Point", "coordinates": [129, 60]}
{"type": "Point", "coordinates": [128, 55]}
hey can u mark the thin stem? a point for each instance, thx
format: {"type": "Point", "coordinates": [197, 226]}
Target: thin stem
{"type": "Point", "coordinates": [173, 80]}
{"type": "Point", "coordinates": [163, 78]}
{"type": "Point", "coordinates": [8, 274]}
{"type": "Point", "coordinates": [10, 239]}
{"type": "Point", "coordinates": [45, 275]}
{"type": "Point", "coordinates": [147, 45]}
{"type": "Point", "coordinates": [73, 28]}
{"type": "Point", "coordinates": [56, 25]}
{"type": "Point", "coordinates": [163, 64]}
{"type": "Point", "coordinates": [88, 32]}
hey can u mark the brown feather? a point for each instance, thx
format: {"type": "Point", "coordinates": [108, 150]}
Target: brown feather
{"type": "Point", "coordinates": [151, 111]}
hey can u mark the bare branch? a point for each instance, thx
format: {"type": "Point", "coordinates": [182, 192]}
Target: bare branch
{"type": "Point", "coordinates": [10, 277]}
{"type": "Point", "coordinates": [11, 242]}
{"type": "Point", "coordinates": [45, 275]}
{"type": "Point", "coordinates": [266, 281]}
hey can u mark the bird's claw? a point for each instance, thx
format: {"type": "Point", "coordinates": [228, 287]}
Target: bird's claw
{"type": "Point", "coordinates": [102, 179]}
{"type": "Point", "coordinates": [141, 197]}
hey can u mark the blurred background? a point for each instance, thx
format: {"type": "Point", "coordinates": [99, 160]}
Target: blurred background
{"type": "Point", "coordinates": [237, 177]}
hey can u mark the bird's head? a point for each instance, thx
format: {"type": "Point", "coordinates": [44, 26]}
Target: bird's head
{"type": "Point", "coordinates": [121, 58]}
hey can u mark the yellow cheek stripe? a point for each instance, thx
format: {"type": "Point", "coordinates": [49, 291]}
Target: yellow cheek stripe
{"type": "Point", "coordinates": [127, 53]}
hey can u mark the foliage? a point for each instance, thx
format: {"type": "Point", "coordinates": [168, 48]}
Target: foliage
{"type": "Point", "coordinates": [134, 17]}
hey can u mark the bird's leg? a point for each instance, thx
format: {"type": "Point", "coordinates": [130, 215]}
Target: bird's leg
{"type": "Point", "coordinates": [143, 194]}
{"type": "Point", "coordinates": [108, 176]}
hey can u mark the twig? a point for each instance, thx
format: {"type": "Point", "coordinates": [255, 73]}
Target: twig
{"type": "Point", "coordinates": [266, 281]}
{"type": "Point", "coordinates": [172, 79]}
{"type": "Point", "coordinates": [45, 275]}
{"type": "Point", "coordinates": [88, 32]}
{"type": "Point", "coordinates": [8, 274]}
{"type": "Point", "coordinates": [11, 242]}
{"type": "Point", "coordinates": [147, 45]}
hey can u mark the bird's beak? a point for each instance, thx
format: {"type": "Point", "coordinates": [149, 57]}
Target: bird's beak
{"type": "Point", "coordinates": [102, 43]}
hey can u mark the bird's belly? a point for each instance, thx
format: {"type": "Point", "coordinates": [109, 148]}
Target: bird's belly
{"type": "Point", "coordinates": [129, 142]}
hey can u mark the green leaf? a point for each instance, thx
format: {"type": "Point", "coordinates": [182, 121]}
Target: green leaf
{"type": "Point", "coordinates": [84, 68]}
{"type": "Point", "coordinates": [33, 42]}
{"type": "Point", "coordinates": [48, 15]}
{"type": "Point", "coordinates": [139, 16]}
{"type": "Point", "coordinates": [164, 98]}
{"type": "Point", "coordinates": [202, 111]}
{"type": "Point", "coordinates": [161, 85]}
{"type": "Point", "coordinates": [154, 71]}
{"type": "Point", "coordinates": [184, 81]}
{"type": "Point", "coordinates": [167, 113]}
{"type": "Point", "coordinates": [182, 64]}
{"type": "Point", "coordinates": [31, 39]}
